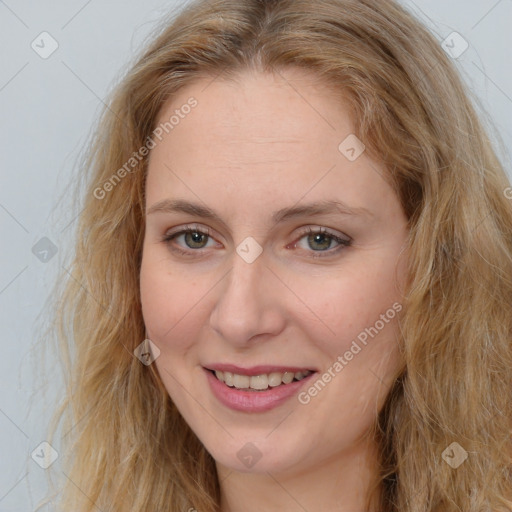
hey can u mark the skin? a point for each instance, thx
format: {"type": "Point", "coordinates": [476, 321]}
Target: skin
{"type": "Point", "coordinates": [252, 146]}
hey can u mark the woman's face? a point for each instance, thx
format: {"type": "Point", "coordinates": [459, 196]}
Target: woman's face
{"type": "Point", "coordinates": [274, 272]}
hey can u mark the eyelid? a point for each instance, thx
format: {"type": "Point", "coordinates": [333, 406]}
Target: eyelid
{"type": "Point", "coordinates": [207, 231]}
{"type": "Point", "coordinates": [324, 231]}
{"type": "Point", "coordinates": [189, 227]}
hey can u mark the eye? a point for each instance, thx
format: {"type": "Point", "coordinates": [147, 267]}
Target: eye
{"type": "Point", "coordinates": [320, 240]}
{"type": "Point", "coordinates": [193, 239]}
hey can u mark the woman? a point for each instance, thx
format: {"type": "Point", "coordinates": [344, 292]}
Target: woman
{"type": "Point", "coordinates": [291, 288]}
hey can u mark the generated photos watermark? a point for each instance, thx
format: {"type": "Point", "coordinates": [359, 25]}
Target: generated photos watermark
{"type": "Point", "coordinates": [305, 397]}
{"type": "Point", "coordinates": [138, 156]}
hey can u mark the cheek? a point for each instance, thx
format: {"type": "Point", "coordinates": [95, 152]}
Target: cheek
{"type": "Point", "coordinates": [174, 305]}
{"type": "Point", "coordinates": [173, 315]}
{"type": "Point", "coordinates": [165, 298]}
{"type": "Point", "coordinates": [348, 304]}
{"type": "Point", "coordinates": [155, 300]}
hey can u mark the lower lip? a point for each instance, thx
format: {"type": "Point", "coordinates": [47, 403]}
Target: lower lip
{"type": "Point", "coordinates": [253, 401]}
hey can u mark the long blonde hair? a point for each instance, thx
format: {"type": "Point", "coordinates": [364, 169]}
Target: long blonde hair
{"type": "Point", "coordinates": [127, 447]}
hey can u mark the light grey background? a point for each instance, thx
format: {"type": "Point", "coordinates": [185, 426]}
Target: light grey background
{"type": "Point", "coordinates": [48, 107]}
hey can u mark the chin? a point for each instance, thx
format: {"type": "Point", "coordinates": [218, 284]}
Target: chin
{"type": "Point", "coordinates": [254, 457]}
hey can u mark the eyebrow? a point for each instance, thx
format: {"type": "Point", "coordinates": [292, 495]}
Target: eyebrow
{"type": "Point", "coordinates": [310, 209]}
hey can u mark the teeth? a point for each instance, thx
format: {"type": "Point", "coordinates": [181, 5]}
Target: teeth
{"type": "Point", "coordinates": [259, 382]}
{"type": "Point", "coordinates": [241, 381]}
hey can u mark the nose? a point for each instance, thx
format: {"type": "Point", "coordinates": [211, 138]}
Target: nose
{"type": "Point", "coordinates": [248, 303]}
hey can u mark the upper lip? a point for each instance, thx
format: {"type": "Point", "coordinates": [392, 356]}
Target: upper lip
{"type": "Point", "coordinates": [256, 370]}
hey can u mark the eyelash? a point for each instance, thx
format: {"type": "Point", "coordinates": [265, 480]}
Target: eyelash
{"type": "Point", "coordinates": [168, 238]}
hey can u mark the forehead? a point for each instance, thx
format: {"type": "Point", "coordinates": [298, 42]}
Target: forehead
{"type": "Point", "coordinates": [259, 138]}
{"type": "Point", "coordinates": [253, 107]}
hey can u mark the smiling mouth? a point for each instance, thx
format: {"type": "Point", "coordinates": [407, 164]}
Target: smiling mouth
{"type": "Point", "coordinates": [261, 382]}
